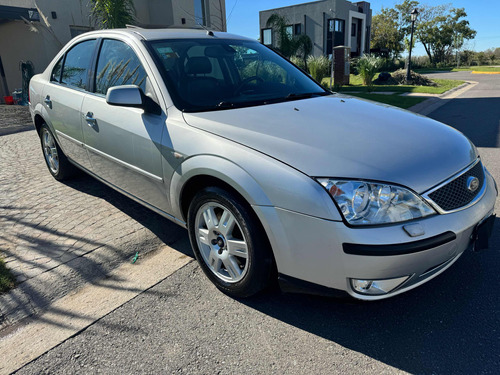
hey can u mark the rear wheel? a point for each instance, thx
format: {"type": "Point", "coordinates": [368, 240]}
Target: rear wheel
{"type": "Point", "coordinates": [59, 166]}
{"type": "Point", "coordinates": [229, 243]}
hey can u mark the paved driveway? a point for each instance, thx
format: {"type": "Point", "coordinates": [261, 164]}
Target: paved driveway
{"type": "Point", "coordinates": [56, 236]}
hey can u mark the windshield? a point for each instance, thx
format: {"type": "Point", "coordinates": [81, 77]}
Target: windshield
{"type": "Point", "coordinates": [212, 74]}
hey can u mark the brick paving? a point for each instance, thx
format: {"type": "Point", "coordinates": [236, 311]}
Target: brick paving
{"type": "Point", "coordinates": [14, 119]}
{"type": "Point", "coordinates": [57, 236]}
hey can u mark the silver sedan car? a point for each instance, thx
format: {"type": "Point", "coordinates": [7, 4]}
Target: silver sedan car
{"type": "Point", "coordinates": [274, 177]}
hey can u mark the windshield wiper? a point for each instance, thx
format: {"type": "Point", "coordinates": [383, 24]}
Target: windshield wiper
{"type": "Point", "coordinates": [225, 104]}
{"type": "Point", "coordinates": [294, 96]}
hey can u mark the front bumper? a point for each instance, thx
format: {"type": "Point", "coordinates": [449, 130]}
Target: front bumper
{"type": "Point", "coordinates": [312, 249]}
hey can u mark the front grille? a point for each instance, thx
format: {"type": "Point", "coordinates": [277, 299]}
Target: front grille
{"type": "Point", "coordinates": [455, 194]}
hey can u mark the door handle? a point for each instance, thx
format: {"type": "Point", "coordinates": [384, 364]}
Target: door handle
{"type": "Point", "coordinates": [48, 101]}
{"type": "Point", "coordinates": [89, 117]}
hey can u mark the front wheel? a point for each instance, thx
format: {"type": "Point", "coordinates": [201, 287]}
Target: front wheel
{"type": "Point", "coordinates": [229, 243]}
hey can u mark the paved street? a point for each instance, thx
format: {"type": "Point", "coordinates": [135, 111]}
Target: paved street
{"type": "Point", "coordinates": [184, 325]}
{"type": "Point", "coordinates": [475, 113]}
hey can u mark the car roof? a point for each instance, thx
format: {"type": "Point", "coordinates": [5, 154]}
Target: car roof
{"type": "Point", "coordinates": [168, 33]}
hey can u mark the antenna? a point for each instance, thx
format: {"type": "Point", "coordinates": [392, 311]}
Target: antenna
{"type": "Point", "coordinates": [195, 21]}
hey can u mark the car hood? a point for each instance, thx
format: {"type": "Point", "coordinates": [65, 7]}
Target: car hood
{"type": "Point", "coordinates": [344, 137]}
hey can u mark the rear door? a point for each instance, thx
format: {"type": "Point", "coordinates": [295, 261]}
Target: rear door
{"type": "Point", "coordinates": [124, 144]}
{"type": "Point", "coordinates": [63, 98]}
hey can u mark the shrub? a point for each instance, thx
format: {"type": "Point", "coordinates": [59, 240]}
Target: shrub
{"type": "Point", "coordinates": [368, 67]}
{"type": "Point", "coordinates": [389, 65]}
{"type": "Point", "coordinates": [419, 62]}
{"type": "Point", "coordinates": [318, 67]}
{"type": "Point", "coordinates": [299, 61]}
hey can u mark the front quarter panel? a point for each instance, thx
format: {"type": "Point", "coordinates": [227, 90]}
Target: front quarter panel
{"type": "Point", "coordinates": [261, 180]}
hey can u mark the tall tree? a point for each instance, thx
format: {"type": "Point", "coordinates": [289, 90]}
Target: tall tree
{"type": "Point", "coordinates": [442, 30]}
{"type": "Point", "coordinates": [404, 10]}
{"type": "Point", "coordinates": [288, 44]}
{"type": "Point", "coordinates": [111, 14]}
{"type": "Point", "coordinates": [386, 33]}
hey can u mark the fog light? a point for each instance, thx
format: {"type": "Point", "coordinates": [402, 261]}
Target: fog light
{"type": "Point", "coordinates": [377, 287]}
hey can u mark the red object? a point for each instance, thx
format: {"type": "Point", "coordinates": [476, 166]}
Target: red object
{"type": "Point", "coordinates": [8, 100]}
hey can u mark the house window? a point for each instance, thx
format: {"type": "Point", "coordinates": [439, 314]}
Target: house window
{"type": "Point", "coordinates": [336, 25]}
{"type": "Point", "coordinates": [335, 34]}
{"type": "Point", "coordinates": [77, 30]}
{"type": "Point", "coordinates": [289, 30]}
{"type": "Point", "coordinates": [298, 29]}
{"type": "Point", "coordinates": [199, 12]}
{"type": "Point", "coordinates": [267, 37]}
{"type": "Point", "coordinates": [353, 29]}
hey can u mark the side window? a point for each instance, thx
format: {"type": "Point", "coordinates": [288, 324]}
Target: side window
{"type": "Point", "coordinates": [56, 72]}
{"type": "Point", "coordinates": [118, 65]}
{"type": "Point", "coordinates": [77, 63]}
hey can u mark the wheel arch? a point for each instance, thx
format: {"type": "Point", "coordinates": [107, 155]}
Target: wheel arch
{"type": "Point", "coordinates": [202, 171]}
{"type": "Point", "coordinates": [38, 121]}
{"type": "Point", "coordinates": [40, 117]}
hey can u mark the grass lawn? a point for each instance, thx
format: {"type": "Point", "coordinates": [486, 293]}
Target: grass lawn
{"type": "Point", "coordinates": [395, 100]}
{"type": "Point", "coordinates": [6, 279]}
{"type": "Point", "coordinates": [357, 86]}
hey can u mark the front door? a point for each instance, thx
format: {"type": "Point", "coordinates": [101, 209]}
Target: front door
{"type": "Point", "coordinates": [124, 144]}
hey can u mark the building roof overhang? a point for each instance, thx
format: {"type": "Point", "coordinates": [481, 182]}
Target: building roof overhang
{"type": "Point", "coordinates": [10, 13]}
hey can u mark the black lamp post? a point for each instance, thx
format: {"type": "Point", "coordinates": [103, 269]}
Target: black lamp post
{"type": "Point", "coordinates": [414, 14]}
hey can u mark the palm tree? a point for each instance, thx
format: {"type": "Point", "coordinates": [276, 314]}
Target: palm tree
{"type": "Point", "coordinates": [287, 44]}
{"type": "Point", "coordinates": [111, 14]}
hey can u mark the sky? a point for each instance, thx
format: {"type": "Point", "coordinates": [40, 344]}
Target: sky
{"type": "Point", "coordinates": [483, 16]}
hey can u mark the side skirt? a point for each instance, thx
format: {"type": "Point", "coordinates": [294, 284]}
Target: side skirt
{"type": "Point", "coordinates": [133, 197]}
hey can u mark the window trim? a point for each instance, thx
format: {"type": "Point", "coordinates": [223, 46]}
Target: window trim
{"type": "Point", "coordinates": [61, 60]}
{"type": "Point", "coordinates": [93, 68]}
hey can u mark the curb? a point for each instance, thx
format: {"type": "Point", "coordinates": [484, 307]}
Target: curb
{"type": "Point", "coordinates": [35, 295]}
{"type": "Point", "coordinates": [77, 311]}
{"type": "Point", "coordinates": [431, 104]}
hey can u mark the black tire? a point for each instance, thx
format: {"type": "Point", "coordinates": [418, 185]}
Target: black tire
{"type": "Point", "coordinates": [64, 169]}
{"type": "Point", "coordinates": [258, 266]}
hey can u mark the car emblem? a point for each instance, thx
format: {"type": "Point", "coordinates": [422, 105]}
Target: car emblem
{"type": "Point", "coordinates": [472, 184]}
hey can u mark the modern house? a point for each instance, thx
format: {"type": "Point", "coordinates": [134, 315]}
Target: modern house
{"type": "Point", "coordinates": [36, 30]}
{"type": "Point", "coordinates": [329, 23]}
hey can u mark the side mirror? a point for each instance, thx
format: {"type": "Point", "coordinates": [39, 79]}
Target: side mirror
{"type": "Point", "coordinates": [131, 96]}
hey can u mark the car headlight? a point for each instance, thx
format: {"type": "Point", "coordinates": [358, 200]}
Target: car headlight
{"type": "Point", "coordinates": [368, 203]}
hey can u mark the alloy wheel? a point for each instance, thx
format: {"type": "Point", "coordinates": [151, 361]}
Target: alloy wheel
{"type": "Point", "coordinates": [221, 242]}
{"type": "Point", "coordinates": [50, 151]}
